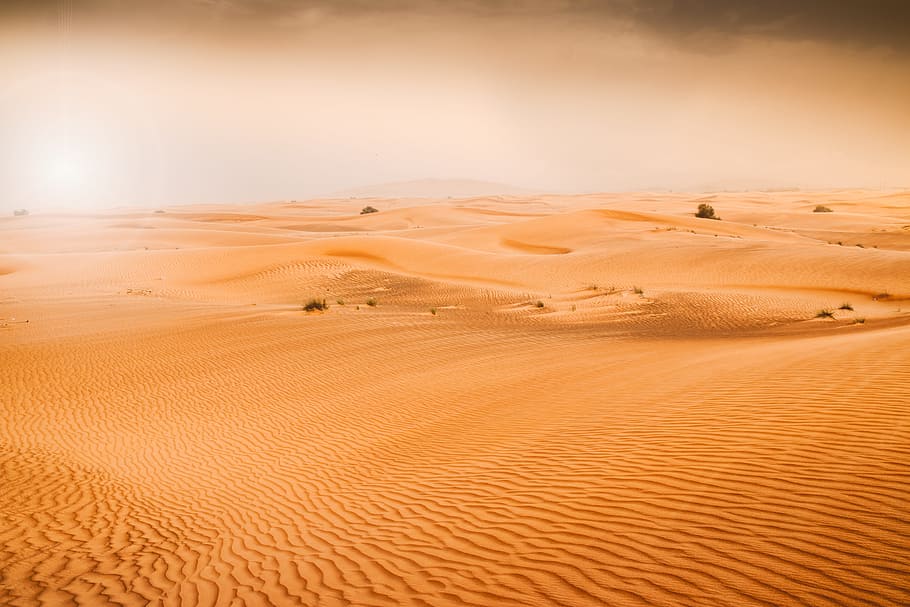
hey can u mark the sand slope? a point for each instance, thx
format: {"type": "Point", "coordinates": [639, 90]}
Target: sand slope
{"type": "Point", "coordinates": [175, 430]}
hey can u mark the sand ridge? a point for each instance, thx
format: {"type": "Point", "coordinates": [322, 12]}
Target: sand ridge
{"type": "Point", "coordinates": [670, 425]}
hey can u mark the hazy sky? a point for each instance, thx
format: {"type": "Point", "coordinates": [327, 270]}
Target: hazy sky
{"type": "Point", "coordinates": [106, 102]}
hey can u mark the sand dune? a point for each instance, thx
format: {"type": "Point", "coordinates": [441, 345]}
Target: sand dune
{"type": "Point", "coordinates": [175, 430]}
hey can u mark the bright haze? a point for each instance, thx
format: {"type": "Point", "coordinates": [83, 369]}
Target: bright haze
{"type": "Point", "coordinates": [180, 101]}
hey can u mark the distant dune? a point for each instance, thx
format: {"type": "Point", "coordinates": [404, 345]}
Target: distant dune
{"type": "Point", "coordinates": [521, 401]}
{"type": "Point", "coordinates": [432, 188]}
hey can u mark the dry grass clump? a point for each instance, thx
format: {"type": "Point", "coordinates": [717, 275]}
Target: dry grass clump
{"type": "Point", "coordinates": [315, 305]}
{"type": "Point", "coordinates": [822, 209]}
{"type": "Point", "coordinates": [706, 211]}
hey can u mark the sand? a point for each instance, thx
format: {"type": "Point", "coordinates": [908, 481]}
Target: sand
{"type": "Point", "coordinates": [175, 430]}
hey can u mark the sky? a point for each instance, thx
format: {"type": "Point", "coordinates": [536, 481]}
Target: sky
{"type": "Point", "coordinates": [107, 103]}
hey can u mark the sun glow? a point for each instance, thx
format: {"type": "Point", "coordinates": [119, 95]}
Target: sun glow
{"type": "Point", "coordinates": [65, 171]}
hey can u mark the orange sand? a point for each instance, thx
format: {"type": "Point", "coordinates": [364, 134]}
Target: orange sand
{"type": "Point", "coordinates": [175, 430]}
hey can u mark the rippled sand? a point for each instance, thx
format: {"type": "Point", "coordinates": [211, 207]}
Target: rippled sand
{"type": "Point", "coordinates": [175, 430]}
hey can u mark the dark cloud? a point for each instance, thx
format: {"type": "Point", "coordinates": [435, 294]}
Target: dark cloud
{"type": "Point", "coordinates": [860, 23]}
{"type": "Point", "coordinates": [866, 23]}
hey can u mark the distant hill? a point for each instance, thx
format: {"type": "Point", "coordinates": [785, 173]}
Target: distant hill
{"type": "Point", "coordinates": [432, 188]}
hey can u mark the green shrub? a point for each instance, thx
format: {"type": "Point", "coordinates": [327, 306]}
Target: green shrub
{"type": "Point", "coordinates": [706, 211]}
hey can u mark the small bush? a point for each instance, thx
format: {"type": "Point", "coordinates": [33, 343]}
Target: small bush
{"type": "Point", "coordinates": [372, 302]}
{"type": "Point", "coordinates": [20, 212]}
{"type": "Point", "coordinates": [433, 311]}
{"type": "Point", "coordinates": [368, 209]}
{"type": "Point", "coordinates": [638, 290]}
{"type": "Point", "coordinates": [859, 321]}
{"type": "Point", "coordinates": [846, 306]}
{"type": "Point", "coordinates": [706, 211]}
{"type": "Point", "coordinates": [824, 314]}
{"type": "Point", "coordinates": [315, 304]}
{"type": "Point", "coordinates": [539, 304]}
{"type": "Point", "coordinates": [339, 301]}
{"type": "Point", "coordinates": [159, 211]}
{"type": "Point", "coordinates": [881, 296]}
{"type": "Point", "coordinates": [822, 209]}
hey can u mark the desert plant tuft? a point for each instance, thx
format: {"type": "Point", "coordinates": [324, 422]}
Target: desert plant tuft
{"type": "Point", "coordinates": [539, 304]}
{"type": "Point", "coordinates": [433, 311]}
{"type": "Point", "coordinates": [822, 209]}
{"type": "Point", "coordinates": [372, 302]}
{"type": "Point", "coordinates": [859, 321]}
{"type": "Point", "coordinates": [368, 209]}
{"type": "Point", "coordinates": [881, 296]}
{"type": "Point", "coordinates": [706, 211]}
{"type": "Point", "coordinates": [826, 313]}
{"type": "Point", "coordinates": [846, 306]}
{"type": "Point", "coordinates": [315, 304]}
{"type": "Point", "coordinates": [638, 290]}
{"type": "Point", "coordinates": [20, 212]}
{"type": "Point", "coordinates": [339, 301]}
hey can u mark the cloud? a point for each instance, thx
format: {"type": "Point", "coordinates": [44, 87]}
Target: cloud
{"type": "Point", "coordinates": [863, 23]}
{"type": "Point", "coordinates": [857, 23]}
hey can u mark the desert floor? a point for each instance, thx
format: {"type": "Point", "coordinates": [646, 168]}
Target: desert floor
{"type": "Point", "coordinates": [176, 430]}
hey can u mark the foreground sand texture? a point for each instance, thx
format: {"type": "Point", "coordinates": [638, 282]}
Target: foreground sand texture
{"type": "Point", "coordinates": [175, 430]}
